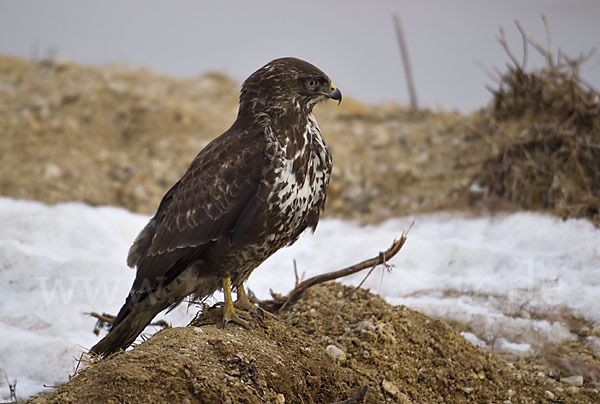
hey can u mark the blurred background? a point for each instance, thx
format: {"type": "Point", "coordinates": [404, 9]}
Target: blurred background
{"type": "Point", "coordinates": [451, 44]}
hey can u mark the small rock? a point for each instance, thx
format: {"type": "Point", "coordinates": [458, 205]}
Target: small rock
{"type": "Point", "coordinates": [576, 381]}
{"type": "Point", "coordinates": [403, 398]}
{"type": "Point", "coordinates": [186, 401]}
{"type": "Point", "coordinates": [52, 171]}
{"type": "Point", "coordinates": [280, 399]}
{"type": "Point", "coordinates": [549, 395]}
{"type": "Point", "coordinates": [573, 389]}
{"type": "Point", "coordinates": [365, 325]}
{"type": "Point", "coordinates": [390, 388]}
{"type": "Point", "coordinates": [468, 390]}
{"type": "Point", "coordinates": [335, 353]}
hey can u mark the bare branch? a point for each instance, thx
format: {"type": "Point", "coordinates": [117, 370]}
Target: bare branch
{"type": "Point", "coordinates": [525, 44]}
{"type": "Point", "coordinates": [502, 41]}
{"type": "Point", "coordinates": [548, 40]}
{"type": "Point", "coordinates": [279, 302]}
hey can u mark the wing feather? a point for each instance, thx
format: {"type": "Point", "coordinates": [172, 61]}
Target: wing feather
{"type": "Point", "coordinates": [214, 201]}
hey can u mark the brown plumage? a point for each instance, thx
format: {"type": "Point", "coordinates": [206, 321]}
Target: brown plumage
{"type": "Point", "coordinates": [248, 193]}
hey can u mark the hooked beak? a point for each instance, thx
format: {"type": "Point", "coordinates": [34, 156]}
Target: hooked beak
{"type": "Point", "coordinates": [334, 93]}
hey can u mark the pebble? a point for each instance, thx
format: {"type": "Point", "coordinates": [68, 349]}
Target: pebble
{"type": "Point", "coordinates": [365, 325]}
{"type": "Point", "coordinates": [403, 398]}
{"type": "Point", "coordinates": [549, 395]}
{"type": "Point", "coordinates": [468, 390]}
{"type": "Point", "coordinates": [390, 388]}
{"type": "Point", "coordinates": [576, 381]}
{"type": "Point", "coordinates": [335, 353]}
{"type": "Point", "coordinates": [280, 399]}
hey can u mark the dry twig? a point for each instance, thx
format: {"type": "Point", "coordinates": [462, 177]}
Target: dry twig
{"type": "Point", "coordinates": [525, 44]}
{"type": "Point", "coordinates": [502, 41]}
{"type": "Point", "coordinates": [280, 302]}
{"type": "Point", "coordinates": [105, 319]}
{"type": "Point", "coordinates": [13, 388]}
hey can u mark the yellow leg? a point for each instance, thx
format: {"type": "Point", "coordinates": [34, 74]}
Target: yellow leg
{"type": "Point", "coordinates": [229, 314]}
{"type": "Point", "coordinates": [242, 298]}
{"type": "Point", "coordinates": [243, 303]}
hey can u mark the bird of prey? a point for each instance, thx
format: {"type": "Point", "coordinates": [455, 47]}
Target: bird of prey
{"type": "Point", "coordinates": [248, 193]}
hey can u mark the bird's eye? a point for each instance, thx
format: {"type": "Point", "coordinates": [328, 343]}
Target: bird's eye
{"type": "Point", "coordinates": [311, 83]}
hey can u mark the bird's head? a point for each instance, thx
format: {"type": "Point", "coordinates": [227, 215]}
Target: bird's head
{"type": "Point", "coordinates": [287, 84]}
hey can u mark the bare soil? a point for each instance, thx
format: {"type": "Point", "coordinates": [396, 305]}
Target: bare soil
{"type": "Point", "coordinates": [400, 355]}
{"type": "Point", "coordinates": [115, 136]}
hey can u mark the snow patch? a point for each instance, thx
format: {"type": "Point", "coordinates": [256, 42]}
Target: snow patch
{"type": "Point", "coordinates": [511, 278]}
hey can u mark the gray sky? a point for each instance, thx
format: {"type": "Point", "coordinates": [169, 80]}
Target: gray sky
{"type": "Point", "coordinates": [353, 41]}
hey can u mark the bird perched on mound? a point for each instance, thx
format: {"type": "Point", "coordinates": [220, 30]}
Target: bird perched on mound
{"type": "Point", "coordinates": [248, 193]}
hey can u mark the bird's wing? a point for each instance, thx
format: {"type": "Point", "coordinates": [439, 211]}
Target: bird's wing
{"type": "Point", "coordinates": [214, 201]}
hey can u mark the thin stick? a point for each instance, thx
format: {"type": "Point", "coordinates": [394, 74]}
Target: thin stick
{"type": "Point", "coordinates": [502, 41]}
{"type": "Point", "coordinates": [315, 280]}
{"type": "Point", "coordinates": [12, 387]}
{"type": "Point", "coordinates": [349, 295]}
{"type": "Point", "coordinates": [296, 273]}
{"type": "Point", "coordinates": [525, 43]}
{"type": "Point", "coordinates": [406, 62]}
{"type": "Point", "coordinates": [109, 318]}
{"type": "Point", "coordinates": [548, 40]}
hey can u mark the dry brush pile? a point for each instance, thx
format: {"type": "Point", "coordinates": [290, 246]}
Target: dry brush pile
{"type": "Point", "coordinates": [544, 128]}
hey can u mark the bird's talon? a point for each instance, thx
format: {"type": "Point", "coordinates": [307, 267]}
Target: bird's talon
{"type": "Point", "coordinates": [236, 320]}
{"type": "Point", "coordinates": [257, 316]}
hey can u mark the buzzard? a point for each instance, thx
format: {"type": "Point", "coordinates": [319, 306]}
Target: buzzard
{"type": "Point", "coordinates": [248, 193]}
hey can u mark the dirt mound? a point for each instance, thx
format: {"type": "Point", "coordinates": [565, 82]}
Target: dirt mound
{"type": "Point", "coordinates": [544, 127]}
{"type": "Point", "coordinates": [122, 137]}
{"type": "Point", "coordinates": [401, 356]}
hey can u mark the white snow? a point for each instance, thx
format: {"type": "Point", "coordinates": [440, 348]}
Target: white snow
{"type": "Point", "coordinates": [512, 278]}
